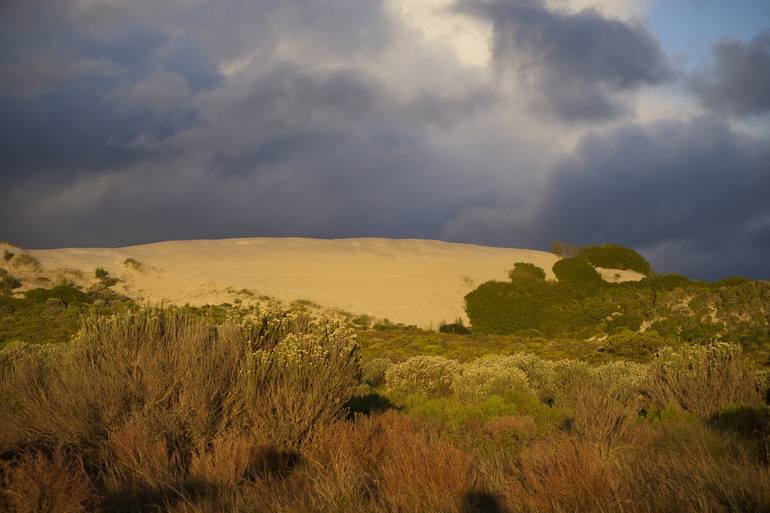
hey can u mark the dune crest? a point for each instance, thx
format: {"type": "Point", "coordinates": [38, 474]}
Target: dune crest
{"type": "Point", "coordinates": [413, 281]}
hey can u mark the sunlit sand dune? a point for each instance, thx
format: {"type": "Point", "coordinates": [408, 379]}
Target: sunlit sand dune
{"type": "Point", "coordinates": [412, 281]}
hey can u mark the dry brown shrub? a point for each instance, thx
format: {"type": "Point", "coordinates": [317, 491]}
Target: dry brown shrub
{"type": "Point", "coordinates": [523, 426]}
{"type": "Point", "coordinates": [703, 379]}
{"type": "Point", "coordinates": [37, 483]}
{"type": "Point", "coordinates": [604, 416]}
{"type": "Point", "coordinates": [137, 455]}
{"type": "Point", "coordinates": [688, 467]}
{"type": "Point", "coordinates": [566, 474]}
{"type": "Point", "coordinates": [421, 473]}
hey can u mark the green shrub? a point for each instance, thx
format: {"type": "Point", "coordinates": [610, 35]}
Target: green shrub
{"type": "Point", "coordinates": [487, 376]}
{"type": "Point", "coordinates": [374, 371]}
{"type": "Point", "coordinates": [630, 344]}
{"type": "Point", "coordinates": [578, 273]}
{"type": "Point", "coordinates": [428, 375]}
{"type": "Point", "coordinates": [457, 327]}
{"type": "Point", "coordinates": [104, 277]}
{"type": "Point", "coordinates": [67, 293]}
{"type": "Point", "coordinates": [521, 269]}
{"type": "Point", "coordinates": [614, 256]}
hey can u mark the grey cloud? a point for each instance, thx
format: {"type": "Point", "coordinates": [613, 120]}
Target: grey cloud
{"type": "Point", "coordinates": [282, 151]}
{"type": "Point", "coordinates": [738, 80]}
{"type": "Point", "coordinates": [693, 195]}
{"type": "Point", "coordinates": [577, 61]}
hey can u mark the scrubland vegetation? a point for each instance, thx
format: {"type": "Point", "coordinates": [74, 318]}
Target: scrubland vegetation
{"type": "Point", "coordinates": [580, 304]}
{"type": "Point", "coordinates": [151, 409]}
{"type": "Point", "coordinates": [568, 396]}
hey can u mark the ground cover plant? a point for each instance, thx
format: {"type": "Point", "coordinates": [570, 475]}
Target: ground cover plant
{"type": "Point", "coordinates": [170, 410]}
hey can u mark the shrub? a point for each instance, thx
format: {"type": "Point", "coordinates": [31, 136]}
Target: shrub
{"type": "Point", "coordinates": [8, 282]}
{"type": "Point", "coordinates": [489, 375]}
{"type": "Point", "coordinates": [131, 263]}
{"type": "Point", "coordinates": [703, 379]}
{"type": "Point", "coordinates": [457, 327]}
{"type": "Point", "coordinates": [26, 260]}
{"type": "Point", "coordinates": [374, 370]}
{"type": "Point", "coordinates": [7, 255]}
{"type": "Point", "coordinates": [521, 269]}
{"type": "Point", "coordinates": [630, 344]}
{"type": "Point", "coordinates": [578, 273]}
{"type": "Point", "coordinates": [621, 375]}
{"type": "Point", "coordinates": [276, 375]}
{"type": "Point", "coordinates": [428, 375]}
{"type": "Point", "coordinates": [614, 256]}
{"type": "Point", "coordinates": [104, 277]}
{"type": "Point", "coordinates": [604, 414]}
{"type": "Point", "coordinates": [37, 483]}
{"type": "Point", "coordinates": [541, 374]}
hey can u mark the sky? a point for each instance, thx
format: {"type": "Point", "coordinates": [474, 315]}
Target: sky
{"type": "Point", "coordinates": [501, 122]}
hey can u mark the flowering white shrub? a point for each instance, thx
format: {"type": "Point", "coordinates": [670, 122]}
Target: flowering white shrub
{"type": "Point", "coordinates": [489, 375]}
{"type": "Point", "coordinates": [428, 375]}
{"type": "Point", "coordinates": [621, 374]}
{"type": "Point", "coordinates": [541, 373]}
{"type": "Point", "coordinates": [703, 379]}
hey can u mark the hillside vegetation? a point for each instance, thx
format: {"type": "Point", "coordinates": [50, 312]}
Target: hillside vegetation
{"type": "Point", "coordinates": [574, 395]}
{"type": "Point", "coordinates": [166, 410]}
{"type": "Point", "coordinates": [581, 304]}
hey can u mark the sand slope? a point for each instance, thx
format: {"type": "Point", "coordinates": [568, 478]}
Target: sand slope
{"type": "Point", "coordinates": [420, 282]}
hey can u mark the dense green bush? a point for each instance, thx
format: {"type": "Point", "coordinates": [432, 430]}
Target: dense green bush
{"type": "Point", "coordinates": [630, 344]}
{"type": "Point", "coordinates": [581, 305]}
{"type": "Point", "coordinates": [487, 376]}
{"type": "Point", "coordinates": [614, 256]}
{"type": "Point", "coordinates": [522, 269]}
{"type": "Point", "coordinates": [578, 273]}
{"type": "Point", "coordinates": [457, 327]}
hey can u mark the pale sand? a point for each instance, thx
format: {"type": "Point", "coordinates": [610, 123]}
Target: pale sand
{"type": "Point", "coordinates": [619, 275]}
{"type": "Point", "coordinates": [421, 282]}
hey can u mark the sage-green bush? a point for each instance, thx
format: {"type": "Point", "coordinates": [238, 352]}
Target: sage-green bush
{"type": "Point", "coordinates": [427, 375]}
{"type": "Point", "coordinates": [487, 376]}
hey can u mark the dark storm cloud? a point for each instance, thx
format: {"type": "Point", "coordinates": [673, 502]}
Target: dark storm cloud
{"type": "Point", "coordinates": [695, 190]}
{"type": "Point", "coordinates": [578, 61]}
{"type": "Point", "coordinates": [282, 151]}
{"type": "Point", "coordinates": [738, 80]}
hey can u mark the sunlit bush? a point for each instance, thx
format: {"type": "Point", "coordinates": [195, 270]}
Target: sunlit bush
{"type": "Point", "coordinates": [489, 375]}
{"type": "Point", "coordinates": [428, 375]}
{"type": "Point", "coordinates": [703, 379]}
{"type": "Point", "coordinates": [373, 371]}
